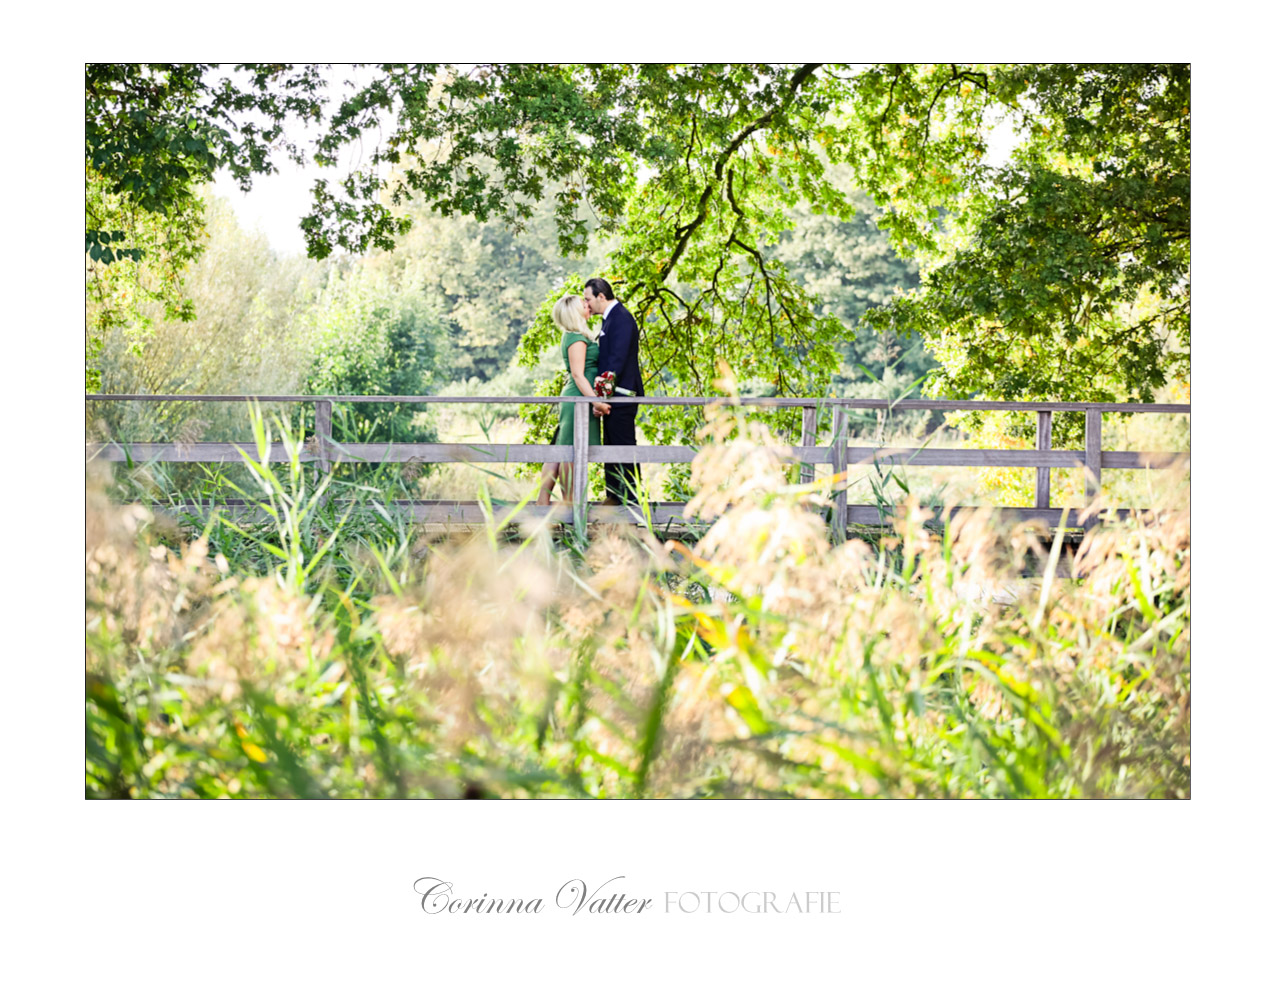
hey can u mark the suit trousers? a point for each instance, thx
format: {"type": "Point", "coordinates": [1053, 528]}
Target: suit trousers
{"type": "Point", "coordinates": [620, 427]}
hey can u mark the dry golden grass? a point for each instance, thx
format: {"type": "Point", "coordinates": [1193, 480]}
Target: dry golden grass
{"type": "Point", "coordinates": [764, 660]}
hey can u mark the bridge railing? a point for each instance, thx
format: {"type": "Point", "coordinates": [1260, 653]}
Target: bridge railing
{"type": "Point", "coordinates": [839, 453]}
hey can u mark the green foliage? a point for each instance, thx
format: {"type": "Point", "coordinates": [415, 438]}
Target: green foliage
{"type": "Point", "coordinates": [123, 293]}
{"type": "Point", "coordinates": [1082, 235]}
{"type": "Point", "coordinates": [241, 334]}
{"type": "Point", "coordinates": [849, 266]}
{"type": "Point", "coordinates": [1063, 273]}
{"type": "Point", "coordinates": [691, 262]}
{"type": "Point", "coordinates": [374, 336]}
{"type": "Point", "coordinates": [487, 279]}
{"type": "Point", "coordinates": [154, 135]}
{"type": "Point", "coordinates": [155, 132]}
{"type": "Point", "coordinates": [501, 133]}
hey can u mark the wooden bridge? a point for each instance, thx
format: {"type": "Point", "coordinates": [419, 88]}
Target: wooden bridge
{"type": "Point", "coordinates": [838, 453]}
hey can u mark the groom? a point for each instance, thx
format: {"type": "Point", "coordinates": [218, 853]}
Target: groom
{"type": "Point", "coordinates": [618, 353]}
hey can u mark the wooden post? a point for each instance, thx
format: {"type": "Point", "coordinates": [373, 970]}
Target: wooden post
{"type": "Point", "coordinates": [580, 463]}
{"type": "Point", "coordinates": [1044, 437]}
{"type": "Point", "coordinates": [809, 428]}
{"type": "Point", "coordinates": [1093, 458]}
{"type": "Point", "coordinates": [840, 513]}
{"type": "Point", "coordinates": [323, 433]}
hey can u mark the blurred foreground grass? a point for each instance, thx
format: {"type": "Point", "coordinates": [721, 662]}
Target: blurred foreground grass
{"type": "Point", "coordinates": [329, 650]}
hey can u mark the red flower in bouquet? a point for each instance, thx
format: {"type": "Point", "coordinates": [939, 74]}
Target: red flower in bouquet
{"type": "Point", "coordinates": [604, 385]}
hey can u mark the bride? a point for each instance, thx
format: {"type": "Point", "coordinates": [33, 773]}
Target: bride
{"type": "Point", "coordinates": [580, 356]}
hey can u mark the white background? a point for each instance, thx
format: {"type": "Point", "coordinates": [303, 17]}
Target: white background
{"type": "Point", "coordinates": [935, 896]}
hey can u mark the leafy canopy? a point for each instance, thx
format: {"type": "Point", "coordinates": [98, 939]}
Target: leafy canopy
{"type": "Point", "coordinates": [1062, 273]}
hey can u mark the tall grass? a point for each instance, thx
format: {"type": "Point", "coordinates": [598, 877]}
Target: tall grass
{"type": "Point", "coordinates": [326, 649]}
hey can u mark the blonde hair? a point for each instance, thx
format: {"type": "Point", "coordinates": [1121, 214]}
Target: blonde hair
{"type": "Point", "coordinates": [566, 314]}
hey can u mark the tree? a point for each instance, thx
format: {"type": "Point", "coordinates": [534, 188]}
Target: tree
{"type": "Point", "coordinates": [487, 280]}
{"type": "Point", "coordinates": [154, 135]}
{"type": "Point", "coordinates": [851, 267]}
{"type": "Point", "coordinates": [1064, 272]}
{"type": "Point", "coordinates": [691, 262]}
{"type": "Point", "coordinates": [240, 334]}
{"type": "Point", "coordinates": [155, 132]}
{"type": "Point", "coordinates": [372, 336]}
{"type": "Point", "coordinates": [122, 292]}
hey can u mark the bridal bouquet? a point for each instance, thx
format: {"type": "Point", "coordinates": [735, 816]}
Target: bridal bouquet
{"type": "Point", "coordinates": [604, 385]}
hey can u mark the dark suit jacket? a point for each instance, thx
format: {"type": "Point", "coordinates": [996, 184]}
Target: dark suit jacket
{"type": "Point", "coordinates": [618, 349]}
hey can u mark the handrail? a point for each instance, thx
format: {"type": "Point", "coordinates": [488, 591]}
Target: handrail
{"type": "Point", "coordinates": [763, 401]}
{"type": "Point", "coordinates": [838, 453]}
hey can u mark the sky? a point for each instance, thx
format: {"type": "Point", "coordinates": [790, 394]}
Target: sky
{"type": "Point", "coordinates": [275, 205]}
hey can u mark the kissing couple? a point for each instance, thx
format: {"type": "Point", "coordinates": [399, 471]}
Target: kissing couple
{"type": "Point", "coordinates": [598, 361]}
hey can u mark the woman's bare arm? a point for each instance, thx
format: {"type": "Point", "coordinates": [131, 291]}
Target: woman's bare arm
{"type": "Point", "coordinates": [575, 358]}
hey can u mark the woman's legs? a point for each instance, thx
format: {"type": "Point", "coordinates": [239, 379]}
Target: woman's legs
{"type": "Point", "coordinates": [548, 475]}
{"type": "Point", "coordinates": [554, 472]}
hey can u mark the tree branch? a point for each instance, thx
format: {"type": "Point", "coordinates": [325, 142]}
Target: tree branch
{"type": "Point", "coordinates": [890, 102]}
{"type": "Point", "coordinates": [683, 234]}
{"type": "Point", "coordinates": [956, 77]}
{"type": "Point", "coordinates": [761, 263]}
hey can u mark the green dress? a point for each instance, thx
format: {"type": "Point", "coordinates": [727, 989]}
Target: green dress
{"type": "Point", "coordinates": [566, 418]}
